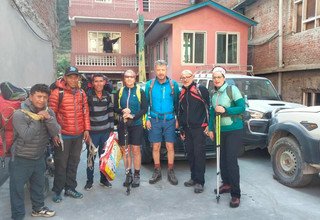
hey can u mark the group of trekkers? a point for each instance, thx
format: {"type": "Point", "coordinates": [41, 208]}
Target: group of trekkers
{"type": "Point", "coordinates": [68, 115]}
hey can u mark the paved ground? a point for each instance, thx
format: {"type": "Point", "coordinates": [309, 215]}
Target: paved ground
{"type": "Point", "coordinates": [262, 197]}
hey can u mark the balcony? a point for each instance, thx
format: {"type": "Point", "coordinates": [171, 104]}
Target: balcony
{"type": "Point", "coordinates": [109, 62]}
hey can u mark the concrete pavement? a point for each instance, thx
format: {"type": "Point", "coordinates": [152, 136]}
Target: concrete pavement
{"type": "Point", "coordinates": [262, 197]}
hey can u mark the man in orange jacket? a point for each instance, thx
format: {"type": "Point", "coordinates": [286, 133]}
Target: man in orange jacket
{"type": "Point", "coordinates": [69, 102]}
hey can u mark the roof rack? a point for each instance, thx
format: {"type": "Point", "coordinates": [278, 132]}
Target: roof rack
{"type": "Point", "coordinates": [245, 70]}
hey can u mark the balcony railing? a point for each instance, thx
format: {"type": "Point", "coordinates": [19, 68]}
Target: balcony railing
{"type": "Point", "coordinates": [109, 60]}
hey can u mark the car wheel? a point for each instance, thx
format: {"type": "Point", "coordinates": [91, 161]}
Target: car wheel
{"type": "Point", "coordinates": [146, 149]}
{"type": "Point", "coordinates": [288, 163]}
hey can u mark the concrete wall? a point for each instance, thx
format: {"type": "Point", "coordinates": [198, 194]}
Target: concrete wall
{"type": "Point", "coordinates": [25, 59]}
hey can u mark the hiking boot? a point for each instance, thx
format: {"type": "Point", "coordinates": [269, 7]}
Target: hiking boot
{"type": "Point", "coordinates": [156, 176]}
{"type": "Point", "coordinates": [198, 188]}
{"type": "Point", "coordinates": [235, 202]}
{"type": "Point", "coordinates": [189, 183]}
{"type": "Point", "coordinates": [88, 186]}
{"type": "Point", "coordinates": [43, 212]}
{"type": "Point", "coordinates": [225, 188]}
{"type": "Point", "coordinates": [105, 183]}
{"type": "Point", "coordinates": [136, 180]}
{"type": "Point", "coordinates": [73, 194]}
{"type": "Point", "coordinates": [128, 180]}
{"type": "Point", "coordinates": [57, 198]}
{"type": "Point", "coordinates": [172, 177]}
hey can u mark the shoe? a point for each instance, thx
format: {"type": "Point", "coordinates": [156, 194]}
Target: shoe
{"type": "Point", "coordinates": [189, 183]}
{"type": "Point", "coordinates": [43, 212]}
{"type": "Point", "coordinates": [225, 188]}
{"type": "Point", "coordinates": [172, 177]}
{"type": "Point", "coordinates": [57, 198]}
{"type": "Point", "coordinates": [136, 180]}
{"type": "Point", "coordinates": [105, 183]}
{"type": "Point", "coordinates": [235, 202]}
{"type": "Point", "coordinates": [198, 188]}
{"type": "Point", "coordinates": [73, 193]}
{"type": "Point", "coordinates": [88, 186]}
{"type": "Point", "coordinates": [156, 176]}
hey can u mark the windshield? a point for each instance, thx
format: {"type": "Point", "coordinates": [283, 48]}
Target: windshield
{"type": "Point", "coordinates": [256, 88]}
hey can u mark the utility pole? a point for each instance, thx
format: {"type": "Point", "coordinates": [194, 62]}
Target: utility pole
{"type": "Point", "coordinates": [141, 55]}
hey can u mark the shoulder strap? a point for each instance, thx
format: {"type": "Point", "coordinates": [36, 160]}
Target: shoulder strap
{"type": "Point", "coordinates": [120, 95]}
{"type": "Point", "coordinates": [138, 93]}
{"type": "Point", "coordinates": [150, 91]}
{"type": "Point", "coordinates": [61, 93]}
{"type": "Point", "coordinates": [172, 86]}
{"type": "Point", "coordinates": [229, 92]}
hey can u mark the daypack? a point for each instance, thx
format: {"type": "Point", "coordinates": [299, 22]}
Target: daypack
{"type": "Point", "coordinates": [138, 94]}
{"type": "Point", "coordinates": [7, 108]}
{"type": "Point", "coordinates": [196, 93]}
{"type": "Point", "coordinates": [230, 95]}
{"type": "Point", "coordinates": [11, 92]}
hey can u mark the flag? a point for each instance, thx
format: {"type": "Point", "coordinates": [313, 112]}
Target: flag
{"type": "Point", "coordinates": [141, 55]}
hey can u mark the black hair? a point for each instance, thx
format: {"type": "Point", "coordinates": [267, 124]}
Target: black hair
{"type": "Point", "coordinates": [98, 75]}
{"type": "Point", "coordinates": [40, 88]}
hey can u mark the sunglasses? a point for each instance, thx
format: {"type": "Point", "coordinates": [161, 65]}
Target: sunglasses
{"type": "Point", "coordinates": [183, 78]}
{"type": "Point", "coordinates": [132, 77]}
{"type": "Point", "coordinates": [217, 77]}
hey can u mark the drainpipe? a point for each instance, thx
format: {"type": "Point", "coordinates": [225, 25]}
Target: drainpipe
{"type": "Point", "coordinates": [280, 44]}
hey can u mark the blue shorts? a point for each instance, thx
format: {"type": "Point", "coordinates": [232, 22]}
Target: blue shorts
{"type": "Point", "coordinates": [162, 129]}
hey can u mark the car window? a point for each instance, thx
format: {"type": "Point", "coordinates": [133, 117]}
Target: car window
{"type": "Point", "coordinates": [203, 82]}
{"type": "Point", "coordinates": [256, 88]}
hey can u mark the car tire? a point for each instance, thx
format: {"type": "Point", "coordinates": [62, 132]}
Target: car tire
{"type": "Point", "coordinates": [288, 163]}
{"type": "Point", "coordinates": [146, 149]}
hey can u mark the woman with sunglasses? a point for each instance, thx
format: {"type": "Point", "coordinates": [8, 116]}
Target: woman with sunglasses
{"type": "Point", "coordinates": [130, 104]}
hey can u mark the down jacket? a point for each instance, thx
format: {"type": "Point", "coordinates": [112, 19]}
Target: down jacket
{"type": "Point", "coordinates": [73, 111]}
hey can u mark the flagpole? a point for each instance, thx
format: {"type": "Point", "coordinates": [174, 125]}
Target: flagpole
{"type": "Point", "coordinates": [141, 54]}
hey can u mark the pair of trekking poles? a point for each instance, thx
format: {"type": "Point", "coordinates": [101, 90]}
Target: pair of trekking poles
{"type": "Point", "coordinates": [218, 134]}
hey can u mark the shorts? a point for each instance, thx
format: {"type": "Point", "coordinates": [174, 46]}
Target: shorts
{"type": "Point", "coordinates": [162, 129]}
{"type": "Point", "coordinates": [135, 135]}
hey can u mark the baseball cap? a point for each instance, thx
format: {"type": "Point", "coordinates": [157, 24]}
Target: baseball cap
{"type": "Point", "coordinates": [71, 70]}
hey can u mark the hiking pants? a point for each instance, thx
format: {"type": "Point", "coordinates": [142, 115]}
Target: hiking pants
{"type": "Point", "coordinates": [21, 171]}
{"type": "Point", "coordinates": [196, 153]}
{"type": "Point", "coordinates": [66, 164]}
{"type": "Point", "coordinates": [231, 142]}
{"type": "Point", "coordinates": [98, 139]}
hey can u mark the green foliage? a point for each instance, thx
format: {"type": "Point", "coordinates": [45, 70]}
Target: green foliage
{"type": "Point", "coordinates": [63, 61]}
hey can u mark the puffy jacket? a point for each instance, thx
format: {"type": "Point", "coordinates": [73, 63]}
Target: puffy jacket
{"type": "Point", "coordinates": [73, 111]}
{"type": "Point", "coordinates": [32, 136]}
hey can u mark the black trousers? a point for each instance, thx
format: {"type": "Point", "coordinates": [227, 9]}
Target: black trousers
{"type": "Point", "coordinates": [66, 164]}
{"type": "Point", "coordinates": [196, 154]}
{"type": "Point", "coordinates": [231, 142]}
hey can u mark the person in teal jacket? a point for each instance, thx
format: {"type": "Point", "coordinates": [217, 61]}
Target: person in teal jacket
{"type": "Point", "coordinates": [162, 96]}
{"type": "Point", "coordinates": [230, 109]}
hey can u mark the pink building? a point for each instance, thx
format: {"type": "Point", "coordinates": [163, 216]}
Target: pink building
{"type": "Point", "coordinates": [91, 20]}
{"type": "Point", "coordinates": [198, 37]}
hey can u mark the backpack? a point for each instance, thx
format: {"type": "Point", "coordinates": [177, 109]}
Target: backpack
{"type": "Point", "coordinates": [196, 93]}
{"type": "Point", "coordinates": [11, 92]}
{"type": "Point", "coordinates": [230, 95]}
{"type": "Point", "coordinates": [138, 94]}
{"type": "Point", "coordinates": [7, 108]}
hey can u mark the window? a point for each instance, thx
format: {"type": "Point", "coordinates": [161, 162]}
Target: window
{"type": "Point", "coordinates": [227, 48]}
{"type": "Point", "coordinates": [95, 41]}
{"type": "Point", "coordinates": [311, 98]}
{"type": "Point", "coordinates": [307, 14]}
{"type": "Point", "coordinates": [158, 51]}
{"type": "Point", "coordinates": [193, 48]}
{"type": "Point", "coordinates": [146, 5]}
{"type": "Point", "coordinates": [165, 49]}
{"type": "Point", "coordinates": [104, 1]}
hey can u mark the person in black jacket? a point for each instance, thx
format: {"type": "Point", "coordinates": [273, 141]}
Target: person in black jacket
{"type": "Point", "coordinates": [108, 44]}
{"type": "Point", "coordinates": [193, 120]}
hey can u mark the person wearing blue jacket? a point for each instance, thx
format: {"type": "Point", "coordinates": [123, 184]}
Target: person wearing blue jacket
{"type": "Point", "coordinates": [230, 109]}
{"type": "Point", "coordinates": [162, 96]}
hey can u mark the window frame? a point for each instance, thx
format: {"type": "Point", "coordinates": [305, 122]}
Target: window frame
{"type": "Point", "coordinates": [227, 33]}
{"type": "Point", "coordinates": [143, 4]}
{"type": "Point", "coordinates": [305, 22]}
{"type": "Point", "coordinates": [194, 32]}
{"type": "Point", "coordinates": [100, 44]}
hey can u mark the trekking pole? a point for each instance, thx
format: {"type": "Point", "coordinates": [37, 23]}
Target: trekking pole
{"type": "Point", "coordinates": [218, 126]}
{"type": "Point", "coordinates": [127, 165]}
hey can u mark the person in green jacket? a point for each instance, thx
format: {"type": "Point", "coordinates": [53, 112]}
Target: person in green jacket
{"type": "Point", "coordinates": [230, 107]}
